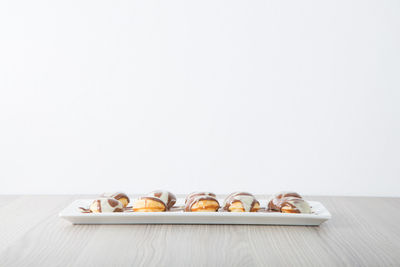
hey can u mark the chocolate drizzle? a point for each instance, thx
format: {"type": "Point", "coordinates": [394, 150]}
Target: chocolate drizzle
{"type": "Point", "coordinates": [84, 210]}
{"type": "Point", "coordinates": [247, 200]}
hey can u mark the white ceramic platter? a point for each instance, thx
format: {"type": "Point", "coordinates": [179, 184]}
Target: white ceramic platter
{"type": "Point", "coordinates": [73, 214]}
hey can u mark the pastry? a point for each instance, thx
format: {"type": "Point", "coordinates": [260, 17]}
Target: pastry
{"type": "Point", "coordinates": [122, 197]}
{"type": "Point", "coordinates": [294, 205]}
{"type": "Point", "coordinates": [168, 198]}
{"type": "Point", "coordinates": [241, 202]}
{"type": "Point", "coordinates": [288, 202]}
{"type": "Point", "coordinates": [201, 202]}
{"type": "Point", "coordinates": [104, 205]}
{"type": "Point", "coordinates": [149, 204]}
{"type": "Point", "coordinates": [274, 202]}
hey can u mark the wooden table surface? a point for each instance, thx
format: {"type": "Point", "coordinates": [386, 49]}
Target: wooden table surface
{"type": "Point", "coordinates": [363, 231]}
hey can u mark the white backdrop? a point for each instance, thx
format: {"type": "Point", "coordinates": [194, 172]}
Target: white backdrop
{"type": "Point", "coordinates": [200, 95]}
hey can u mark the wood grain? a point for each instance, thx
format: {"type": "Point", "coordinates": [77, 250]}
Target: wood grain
{"type": "Point", "coordinates": [362, 232]}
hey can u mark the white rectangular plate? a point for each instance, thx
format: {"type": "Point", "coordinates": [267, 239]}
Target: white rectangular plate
{"type": "Point", "coordinates": [75, 216]}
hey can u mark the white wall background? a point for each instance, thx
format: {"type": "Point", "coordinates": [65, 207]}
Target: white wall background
{"type": "Point", "coordinates": [200, 95]}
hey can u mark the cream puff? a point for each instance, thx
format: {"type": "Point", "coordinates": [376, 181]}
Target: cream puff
{"type": "Point", "coordinates": [294, 205]}
{"type": "Point", "coordinates": [288, 202]}
{"type": "Point", "coordinates": [167, 197]}
{"type": "Point", "coordinates": [122, 197]}
{"type": "Point", "coordinates": [149, 204]}
{"type": "Point", "coordinates": [195, 194]}
{"type": "Point", "coordinates": [241, 202]}
{"type": "Point", "coordinates": [201, 202]}
{"type": "Point", "coordinates": [101, 205]}
{"type": "Point", "coordinates": [274, 202]}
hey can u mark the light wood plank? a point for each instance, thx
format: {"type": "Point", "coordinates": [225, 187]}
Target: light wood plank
{"type": "Point", "coordinates": [362, 232]}
{"type": "Point", "coordinates": [26, 212]}
{"type": "Point", "coordinates": [5, 199]}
